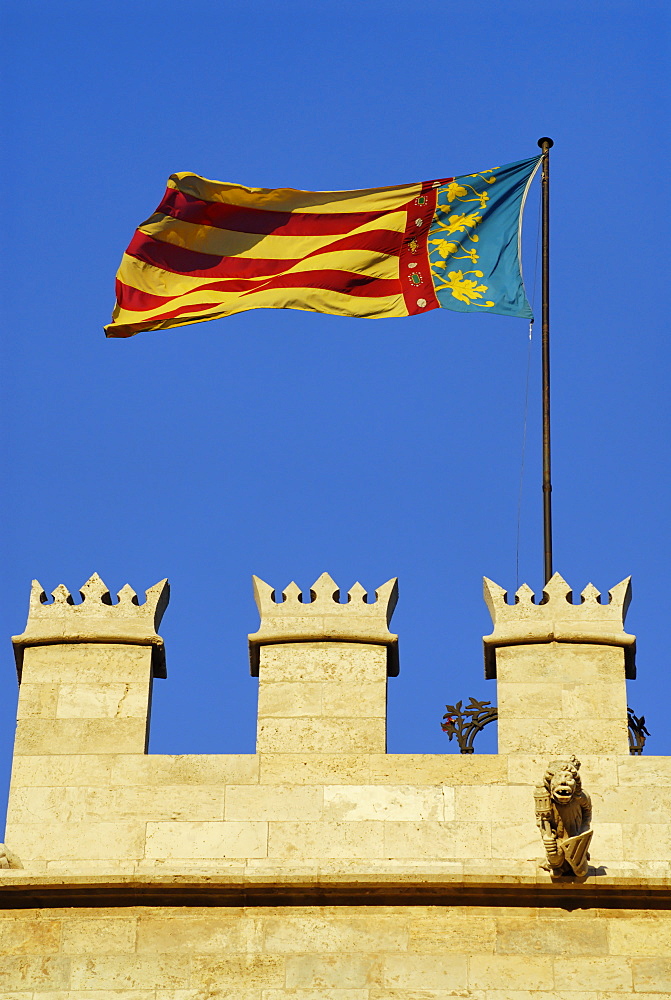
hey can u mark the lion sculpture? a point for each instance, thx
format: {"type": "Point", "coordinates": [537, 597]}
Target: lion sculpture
{"type": "Point", "coordinates": [563, 815]}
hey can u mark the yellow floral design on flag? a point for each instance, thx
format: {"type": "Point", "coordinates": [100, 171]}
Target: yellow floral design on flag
{"type": "Point", "coordinates": [477, 224]}
{"type": "Point", "coordinates": [465, 289]}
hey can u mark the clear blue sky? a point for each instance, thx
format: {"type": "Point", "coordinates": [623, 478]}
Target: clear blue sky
{"type": "Point", "coordinates": [285, 443]}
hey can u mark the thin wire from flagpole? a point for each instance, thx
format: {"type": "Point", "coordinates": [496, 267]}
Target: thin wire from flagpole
{"type": "Point", "coordinates": [546, 144]}
{"type": "Point", "coordinates": [526, 403]}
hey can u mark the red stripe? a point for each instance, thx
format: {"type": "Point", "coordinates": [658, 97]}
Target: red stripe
{"type": "Point", "coordinates": [348, 282]}
{"type": "Point", "coordinates": [258, 220]}
{"type": "Point", "coordinates": [414, 270]}
{"type": "Point", "coordinates": [181, 260]}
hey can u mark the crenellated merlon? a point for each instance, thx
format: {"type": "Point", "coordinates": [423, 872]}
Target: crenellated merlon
{"type": "Point", "coordinates": [556, 619]}
{"type": "Point", "coordinates": [96, 619]}
{"type": "Point", "coordinates": [324, 618]}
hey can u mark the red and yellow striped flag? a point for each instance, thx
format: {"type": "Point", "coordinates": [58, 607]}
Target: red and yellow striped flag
{"type": "Point", "coordinates": [212, 249]}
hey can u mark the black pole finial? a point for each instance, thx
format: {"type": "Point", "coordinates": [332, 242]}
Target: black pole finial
{"type": "Point", "coordinates": [545, 143]}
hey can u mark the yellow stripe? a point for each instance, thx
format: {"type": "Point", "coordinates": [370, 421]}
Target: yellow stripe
{"type": "Point", "coordinates": [291, 200]}
{"type": "Point", "coordinates": [157, 281]}
{"type": "Point", "coordinates": [318, 300]}
{"type": "Point", "coordinates": [226, 243]}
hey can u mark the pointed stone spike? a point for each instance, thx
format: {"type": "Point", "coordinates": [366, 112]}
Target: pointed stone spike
{"type": "Point", "coordinates": [95, 590]}
{"type": "Point", "coordinates": [292, 593]}
{"type": "Point", "coordinates": [127, 595]}
{"type": "Point", "coordinates": [356, 594]}
{"type": "Point", "coordinates": [325, 588]}
{"type": "Point", "coordinates": [61, 595]}
{"type": "Point", "coordinates": [263, 594]}
{"type": "Point", "coordinates": [524, 595]}
{"type": "Point", "coordinates": [590, 595]}
{"type": "Point", "coordinates": [620, 595]}
{"type": "Point", "coordinates": [388, 592]}
{"type": "Point", "coordinates": [38, 595]}
{"type": "Point", "coordinates": [494, 595]}
{"type": "Point", "coordinates": [158, 597]}
{"type": "Point", "coordinates": [557, 588]}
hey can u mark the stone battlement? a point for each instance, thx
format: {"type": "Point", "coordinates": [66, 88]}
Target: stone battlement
{"type": "Point", "coordinates": [323, 617]}
{"type": "Point", "coordinates": [321, 796]}
{"type": "Point", "coordinates": [96, 619]}
{"type": "Point", "coordinates": [556, 619]}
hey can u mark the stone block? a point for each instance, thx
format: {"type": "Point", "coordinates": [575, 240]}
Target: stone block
{"type": "Point", "coordinates": [279, 802]}
{"type": "Point", "coordinates": [550, 994]}
{"type": "Point", "coordinates": [290, 698]}
{"type": "Point", "coordinates": [99, 935]}
{"type": "Point", "coordinates": [426, 972]}
{"type": "Point", "coordinates": [602, 700]}
{"type": "Point", "coordinates": [313, 769]}
{"type": "Point", "coordinates": [320, 932]}
{"type": "Point", "coordinates": [76, 841]}
{"type": "Point", "coordinates": [444, 841]}
{"type": "Point", "coordinates": [545, 662]}
{"type": "Point", "coordinates": [652, 975]}
{"type": "Point", "coordinates": [599, 973]}
{"type": "Point", "coordinates": [607, 842]}
{"type": "Point", "coordinates": [371, 802]}
{"type": "Point", "coordinates": [28, 935]}
{"type": "Point", "coordinates": [654, 771]}
{"type": "Point", "coordinates": [358, 700]}
{"type": "Point", "coordinates": [207, 840]}
{"type": "Point", "coordinates": [520, 972]}
{"type": "Point", "coordinates": [434, 930]}
{"type": "Point", "coordinates": [437, 769]}
{"type": "Point", "coordinates": [148, 994]}
{"type": "Point", "coordinates": [297, 840]}
{"type": "Point", "coordinates": [318, 994]}
{"type": "Point", "coordinates": [517, 840]}
{"type": "Point", "coordinates": [103, 701]}
{"type": "Point", "coordinates": [243, 971]}
{"type": "Point", "coordinates": [69, 868]}
{"type": "Point", "coordinates": [112, 972]}
{"type": "Point", "coordinates": [185, 769]}
{"type": "Point", "coordinates": [646, 841]}
{"type": "Point", "coordinates": [62, 769]}
{"type": "Point", "coordinates": [31, 972]}
{"type": "Point", "coordinates": [627, 804]}
{"type": "Point", "coordinates": [218, 932]}
{"type": "Point", "coordinates": [522, 699]}
{"type": "Point", "coordinates": [37, 701]}
{"type": "Point", "coordinates": [90, 662]}
{"type": "Point", "coordinates": [342, 662]}
{"type": "Point", "coordinates": [560, 736]}
{"type": "Point", "coordinates": [116, 803]}
{"type": "Point", "coordinates": [525, 936]}
{"type": "Point", "coordinates": [81, 736]}
{"type": "Point", "coordinates": [486, 803]}
{"type": "Point", "coordinates": [648, 936]}
{"type": "Point", "coordinates": [332, 971]}
{"type": "Point", "coordinates": [321, 735]}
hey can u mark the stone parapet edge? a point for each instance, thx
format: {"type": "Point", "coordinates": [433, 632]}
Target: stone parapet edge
{"type": "Point", "coordinates": [19, 891]}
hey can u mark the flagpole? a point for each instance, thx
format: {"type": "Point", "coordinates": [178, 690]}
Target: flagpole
{"type": "Point", "coordinates": [546, 144]}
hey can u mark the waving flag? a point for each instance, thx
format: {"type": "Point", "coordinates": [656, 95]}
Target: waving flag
{"type": "Point", "coordinates": [212, 249]}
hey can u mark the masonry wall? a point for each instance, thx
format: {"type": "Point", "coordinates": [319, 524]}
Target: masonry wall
{"type": "Point", "coordinates": [274, 812]}
{"type": "Point", "coordinates": [334, 953]}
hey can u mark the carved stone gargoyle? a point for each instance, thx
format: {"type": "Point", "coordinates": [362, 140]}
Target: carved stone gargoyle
{"type": "Point", "coordinates": [563, 815]}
